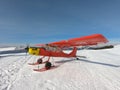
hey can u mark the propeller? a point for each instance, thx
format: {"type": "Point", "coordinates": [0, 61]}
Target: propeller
{"type": "Point", "coordinates": [26, 49]}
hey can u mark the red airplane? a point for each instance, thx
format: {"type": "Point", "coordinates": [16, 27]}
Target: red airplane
{"type": "Point", "coordinates": [55, 49]}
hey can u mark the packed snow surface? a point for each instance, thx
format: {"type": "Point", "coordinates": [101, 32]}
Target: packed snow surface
{"type": "Point", "coordinates": [100, 70]}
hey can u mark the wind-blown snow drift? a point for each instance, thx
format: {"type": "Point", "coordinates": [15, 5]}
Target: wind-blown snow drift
{"type": "Point", "coordinates": [99, 71]}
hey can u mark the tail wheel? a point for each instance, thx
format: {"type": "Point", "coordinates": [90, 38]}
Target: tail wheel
{"type": "Point", "coordinates": [77, 58]}
{"type": "Point", "coordinates": [39, 61]}
{"type": "Point", "coordinates": [48, 65]}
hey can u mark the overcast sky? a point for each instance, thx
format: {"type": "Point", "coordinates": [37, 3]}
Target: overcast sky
{"type": "Point", "coordinates": [43, 21]}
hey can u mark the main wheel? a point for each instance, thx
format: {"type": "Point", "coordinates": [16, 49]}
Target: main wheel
{"type": "Point", "coordinates": [48, 65]}
{"type": "Point", "coordinates": [39, 61]}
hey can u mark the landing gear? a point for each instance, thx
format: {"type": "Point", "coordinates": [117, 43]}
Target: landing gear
{"type": "Point", "coordinates": [48, 65]}
{"type": "Point", "coordinates": [77, 58]}
{"type": "Point", "coordinates": [39, 61]}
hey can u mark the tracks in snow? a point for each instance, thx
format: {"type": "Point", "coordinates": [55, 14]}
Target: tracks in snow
{"type": "Point", "coordinates": [9, 70]}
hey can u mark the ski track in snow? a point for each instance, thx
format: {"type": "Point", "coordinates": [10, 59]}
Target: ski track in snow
{"type": "Point", "coordinates": [9, 70]}
{"type": "Point", "coordinates": [99, 71]}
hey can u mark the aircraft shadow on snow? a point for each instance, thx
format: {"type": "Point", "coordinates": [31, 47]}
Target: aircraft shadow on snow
{"type": "Point", "coordinates": [89, 61]}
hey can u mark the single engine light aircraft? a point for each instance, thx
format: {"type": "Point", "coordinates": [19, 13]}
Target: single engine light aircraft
{"type": "Point", "coordinates": [55, 49]}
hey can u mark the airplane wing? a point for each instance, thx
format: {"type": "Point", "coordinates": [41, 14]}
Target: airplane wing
{"type": "Point", "coordinates": [81, 41]}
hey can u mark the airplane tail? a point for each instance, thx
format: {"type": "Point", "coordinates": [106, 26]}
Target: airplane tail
{"type": "Point", "coordinates": [73, 53]}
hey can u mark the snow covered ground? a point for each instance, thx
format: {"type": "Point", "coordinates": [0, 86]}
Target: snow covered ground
{"type": "Point", "coordinates": [99, 71]}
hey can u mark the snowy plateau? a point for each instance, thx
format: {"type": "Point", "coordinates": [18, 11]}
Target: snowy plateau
{"type": "Point", "coordinates": [100, 70]}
